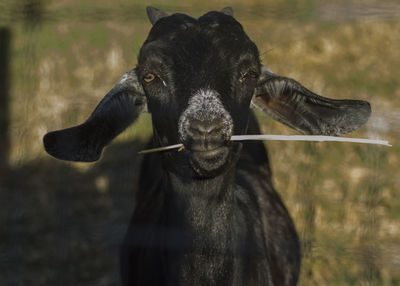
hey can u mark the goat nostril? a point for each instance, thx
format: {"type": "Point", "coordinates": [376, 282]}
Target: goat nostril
{"type": "Point", "coordinates": [200, 128]}
{"type": "Point", "coordinates": [193, 130]}
{"type": "Point", "coordinates": [217, 129]}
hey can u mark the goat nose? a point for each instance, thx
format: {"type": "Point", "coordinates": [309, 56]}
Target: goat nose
{"type": "Point", "coordinates": [204, 128]}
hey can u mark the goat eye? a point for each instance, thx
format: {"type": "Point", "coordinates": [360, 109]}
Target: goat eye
{"type": "Point", "coordinates": [149, 77]}
{"type": "Point", "coordinates": [249, 75]}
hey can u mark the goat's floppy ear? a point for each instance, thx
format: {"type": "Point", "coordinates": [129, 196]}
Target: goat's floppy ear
{"type": "Point", "coordinates": [288, 102]}
{"type": "Point", "coordinates": [117, 110]}
{"type": "Point", "coordinates": [155, 14]}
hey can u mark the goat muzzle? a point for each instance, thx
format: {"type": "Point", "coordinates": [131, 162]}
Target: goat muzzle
{"type": "Point", "coordinates": [205, 136]}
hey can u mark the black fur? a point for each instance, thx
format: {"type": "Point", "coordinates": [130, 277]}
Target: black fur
{"type": "Point", "coordinates": [207, 215]}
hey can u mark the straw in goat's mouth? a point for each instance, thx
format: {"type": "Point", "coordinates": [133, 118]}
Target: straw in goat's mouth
{"type": "Point", "coordinates": [316, 138]}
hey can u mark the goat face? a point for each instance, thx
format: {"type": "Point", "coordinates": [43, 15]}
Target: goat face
{"type": "Point", "coordinates": [199, 77]}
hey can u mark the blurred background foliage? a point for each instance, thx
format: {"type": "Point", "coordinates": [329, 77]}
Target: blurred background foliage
{"type": "Point", "coordinates": [61, 223]}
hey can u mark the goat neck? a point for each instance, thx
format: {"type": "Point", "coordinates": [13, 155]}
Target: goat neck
{"type": "Point", "coordinates": [213, 235]}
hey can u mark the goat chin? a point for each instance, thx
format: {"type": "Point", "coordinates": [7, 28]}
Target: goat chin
{"type": "Point", "coordinates": [211, 163]}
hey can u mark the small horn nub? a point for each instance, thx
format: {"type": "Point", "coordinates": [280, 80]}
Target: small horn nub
{"type": "Point", "coordinates": [227, 11]}
{"type": "Point", "coordinates": [155, 14]}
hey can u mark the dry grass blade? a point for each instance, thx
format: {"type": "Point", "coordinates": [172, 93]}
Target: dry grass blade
{"type": "Point", "coordinates": [315, 138]}
{"type": "Point", "coordinates": [164, 148]}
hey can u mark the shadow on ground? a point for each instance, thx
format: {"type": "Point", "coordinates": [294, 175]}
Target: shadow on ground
{"type": "Point", "coordinates": [61, 225]}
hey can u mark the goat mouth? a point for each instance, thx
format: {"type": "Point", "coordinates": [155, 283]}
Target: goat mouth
{"type": "Point", "coordinates": [207, 148]}
{"type": "Point", "coordinates": [208, 160]}
{"type": "Point", "coordinates": [209, 153]}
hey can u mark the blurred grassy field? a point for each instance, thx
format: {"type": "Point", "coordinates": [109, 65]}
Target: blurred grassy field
{"type": "Point", "coordinates": [60, 223]}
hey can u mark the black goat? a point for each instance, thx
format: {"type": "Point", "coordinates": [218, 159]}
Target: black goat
{"type": "Point", "coordinates": [207, 215]}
